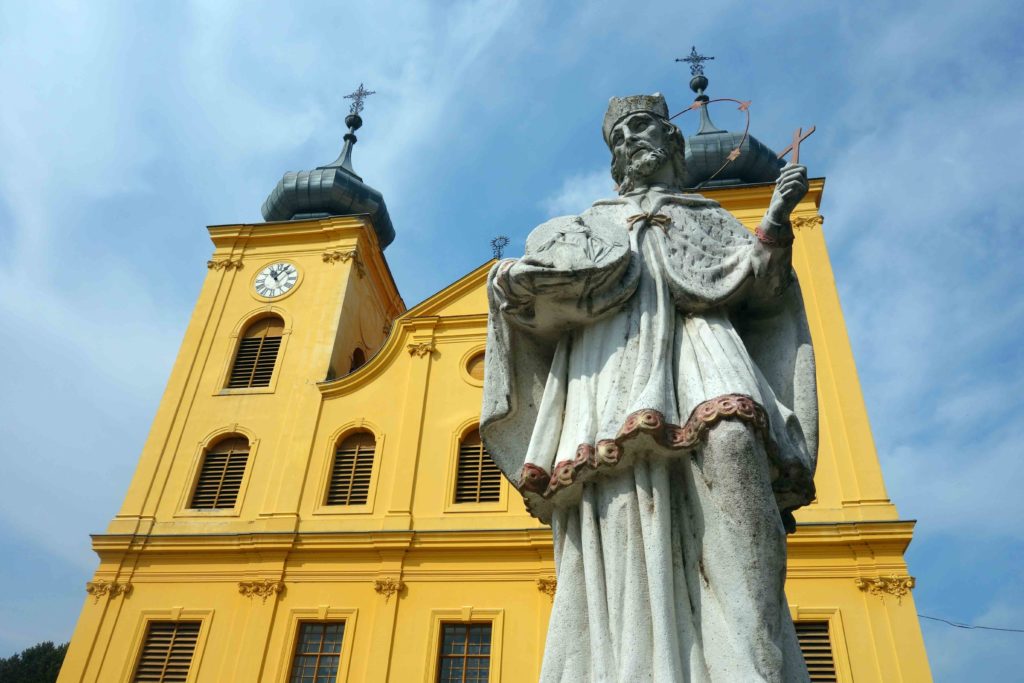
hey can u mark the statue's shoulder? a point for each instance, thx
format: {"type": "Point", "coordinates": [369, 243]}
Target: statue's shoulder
{"type": "Point", "coordinates": [707, 217]}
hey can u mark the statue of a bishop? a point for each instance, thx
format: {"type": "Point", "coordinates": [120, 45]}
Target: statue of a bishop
{"type": "Point", "coordinates": [650, 391]}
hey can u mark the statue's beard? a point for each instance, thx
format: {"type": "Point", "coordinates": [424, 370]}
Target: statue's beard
{"type": "Point", "coordinates": [640, 167]}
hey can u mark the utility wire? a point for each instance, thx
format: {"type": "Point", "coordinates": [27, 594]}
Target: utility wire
{"type": "Point", "coordinates": [971, 626]}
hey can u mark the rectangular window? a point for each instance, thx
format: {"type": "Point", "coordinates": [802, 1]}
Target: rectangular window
{"type": "Point", "coordinates": [167, 652]}
{"type": "Point", "coordinates": [465, 653]}
{"type": "Point", "coordinates": [318, 652]}
{"type": "Point", "coordinates": [817, 648]}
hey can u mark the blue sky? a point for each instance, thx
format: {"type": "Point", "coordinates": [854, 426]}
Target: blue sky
{"type": "Point", "coordinates": [127, 128]}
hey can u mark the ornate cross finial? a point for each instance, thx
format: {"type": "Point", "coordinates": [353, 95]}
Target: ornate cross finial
{"type": "Point", "coordinates": [498, 245]}
{"type": "Point", "coordinates": [695, 61]}
{"type": "Point", "coordinates": [357, 98]}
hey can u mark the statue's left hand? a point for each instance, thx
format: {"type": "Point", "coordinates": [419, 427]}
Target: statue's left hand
{"type": "Point", "coordinates": [790, 188]}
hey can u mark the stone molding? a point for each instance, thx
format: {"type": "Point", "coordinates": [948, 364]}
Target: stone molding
{"type": "Point", "coordinates": [548, 585]}
{"type": "Point", "coordinates": [801, 222]}
{"type": "Point", "coordinates": [262, 589]}
{"type": "Point", "coordinates": [98, 589]}
{"type": "Point", "coordinates": [224, 264]}
{"type": "Point", "coordinates": [345, 256]}
{"type": "Point", "coordinates": [388, 586]}
{"type": "Point", "coordinates": [421, 349]}
{"type": "Point", "coordinates": [893, 585]}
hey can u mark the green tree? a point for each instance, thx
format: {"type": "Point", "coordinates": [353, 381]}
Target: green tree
{"type": "Point", "coordinates": [38, 664]}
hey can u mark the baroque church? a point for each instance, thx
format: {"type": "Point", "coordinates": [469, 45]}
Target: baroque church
{"type": "Point", "coordinates": [314, 503]}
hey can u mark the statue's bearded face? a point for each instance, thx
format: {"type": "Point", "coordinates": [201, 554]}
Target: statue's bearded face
{"type": "Point", "coordinates": [641, 145]}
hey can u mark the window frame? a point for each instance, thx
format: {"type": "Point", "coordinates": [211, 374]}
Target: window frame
{"type": "Point", "coordinates": [464, 365]}
{"type": "Point", "coordinates": [296, 617]}
{"type": "Point", "coordinates": [320, 506]}
{"type": "Point", "coordinates": [195, 469]}
{"type": "Point", "coordinates": [204, 616]}
{"type": "Point", "coordinates": [467, 616]}
{"type": "Point", "coordinates": [320, 654]}
{"type": "Point", "coordinates": [836, 635]}
{"type": "Point", "coordinates": [450, 506]}
{"type": "Point", "coordinates": [249, 319]}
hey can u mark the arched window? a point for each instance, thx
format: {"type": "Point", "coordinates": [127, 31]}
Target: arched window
{"type": "Point", "coordinates": [351, 471]}
{"type": "Point", "coordinates": [478, 479]}
{"type": "Point", "coordinates": [257, 353]}
{"type": "Point", "coordinates": [220, 477]}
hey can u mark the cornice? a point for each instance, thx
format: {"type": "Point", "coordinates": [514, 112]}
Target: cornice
{"type": "Point", "coordinates": [335, 227]}
{"type": "Point", "coordinates": [338, 234]}
{"type": "Point", "coordinates": [404, 332]}
{"type": "Point", "coordinates": [811, 540]}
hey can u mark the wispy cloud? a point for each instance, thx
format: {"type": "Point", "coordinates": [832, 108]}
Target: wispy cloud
{"type": "Point", "coordinates": [579, 191]}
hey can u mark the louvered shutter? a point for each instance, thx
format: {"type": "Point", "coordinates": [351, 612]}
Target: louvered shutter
{"type": "Point", "coordinates": [817, 649]}
{"type": "Point", "coordinates": [257, 354]}
{"type": "Point", "coordinates": [350, 474]}
{"type": "Point", "coordinates": [220, 476]}
{"type": "Point", "coordinates": [478, 479]}
{"type": "Point", "coordinates": [167, 652]}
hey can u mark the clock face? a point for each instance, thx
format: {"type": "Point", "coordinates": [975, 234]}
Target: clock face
{"type": "Point", "coordinates": [276, 279]}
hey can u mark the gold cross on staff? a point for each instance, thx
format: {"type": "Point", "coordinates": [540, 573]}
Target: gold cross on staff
{"type": "Point", "coordinates": [798, 136]}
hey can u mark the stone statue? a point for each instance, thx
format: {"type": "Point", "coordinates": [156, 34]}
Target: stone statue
{"type": "Point", "coordinates": [650, 391]}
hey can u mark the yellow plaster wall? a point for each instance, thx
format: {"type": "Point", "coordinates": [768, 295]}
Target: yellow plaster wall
{"type": "Point", "coordinates": [456, 562]}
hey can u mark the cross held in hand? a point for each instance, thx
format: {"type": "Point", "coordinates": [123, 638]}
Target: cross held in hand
{"type": "Point", "coordinates": [798, 136]}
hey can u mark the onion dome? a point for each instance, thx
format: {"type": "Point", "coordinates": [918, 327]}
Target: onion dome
{"type": "Point", "coordinates": [710, 157]}
{"type": "Point", "coordinates": [332, 190]}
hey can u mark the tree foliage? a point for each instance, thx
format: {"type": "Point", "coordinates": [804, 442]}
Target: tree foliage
{"type": "Point", "coordinates": [38, 664]}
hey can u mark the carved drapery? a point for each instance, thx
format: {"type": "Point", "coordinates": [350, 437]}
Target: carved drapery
{"type": "Point", "coordinates": [897, 586]}
{"type": "Point", "coordinates": [388, 586]}
{"type": "Point", "coordinates": [98, 589]}
{"type": "Point", "coordinates": [262, 589]}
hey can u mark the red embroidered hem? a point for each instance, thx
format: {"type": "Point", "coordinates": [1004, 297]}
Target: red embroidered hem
{"type": "Point", "coordinates": [607, 453]}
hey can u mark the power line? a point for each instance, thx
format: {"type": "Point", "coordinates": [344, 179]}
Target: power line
{"type": "Point", "coordinates": [971, 626]}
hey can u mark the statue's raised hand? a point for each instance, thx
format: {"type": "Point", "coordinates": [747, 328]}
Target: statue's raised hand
{"type": "Point", "coordinates": [790, 188]}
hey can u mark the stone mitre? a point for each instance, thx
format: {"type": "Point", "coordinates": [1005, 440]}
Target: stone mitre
{"type": "Point", "coordinates": [621, 107]}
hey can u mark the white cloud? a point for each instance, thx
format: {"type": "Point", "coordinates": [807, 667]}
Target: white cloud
{"type": "Point", "coordinates": [578, 192]}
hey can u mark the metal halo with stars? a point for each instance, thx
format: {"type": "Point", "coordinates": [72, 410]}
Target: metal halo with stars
{"type": "Point", "coordinates": [696, 62]}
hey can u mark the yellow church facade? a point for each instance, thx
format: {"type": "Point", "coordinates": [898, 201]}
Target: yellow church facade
{"type": "Point", "coordinates": [314, 504]}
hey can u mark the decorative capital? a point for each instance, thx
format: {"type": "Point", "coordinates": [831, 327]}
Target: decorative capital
{"type": "Point", "coordinates": [548, 585]}
{"type": "Point", "coordinates": [421, 349]}
{"type": "Point", "coordinates": [344, 257]}
{"type": "Point", "coordinates": [893, 585]}
{"type": "Point", "coordinates": [388, 586]}
{"type": "Point", "coordinates": [262, 589]}
{"type": "Point", "coordinates": [98, 589]}
{"type": "Point", "coordinates": [811, 222]}
{"type": "Point", "coordinates": [224, 264]}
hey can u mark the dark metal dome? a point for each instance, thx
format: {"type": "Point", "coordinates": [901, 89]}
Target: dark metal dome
{"type": "Point", "coordinates": [331, 190]}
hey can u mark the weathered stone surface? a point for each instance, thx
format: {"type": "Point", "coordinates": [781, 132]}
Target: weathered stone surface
{"type": "Point", "coordinates": [650, 391]}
